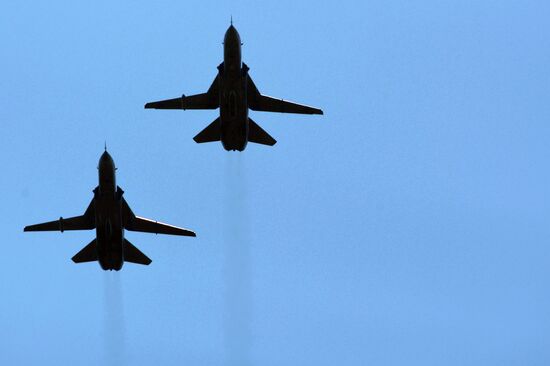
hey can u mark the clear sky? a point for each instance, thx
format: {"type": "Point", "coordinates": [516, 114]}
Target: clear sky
{"type": "Point", "coordinates": [409, 225]}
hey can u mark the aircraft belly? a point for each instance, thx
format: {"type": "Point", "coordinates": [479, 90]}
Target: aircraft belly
{"type": "Point", "coordinates": [109, 235]}
{"type": "Point", "coordinates": [234, 133]}
{"type": "Point", "coordinates": [234, 116]}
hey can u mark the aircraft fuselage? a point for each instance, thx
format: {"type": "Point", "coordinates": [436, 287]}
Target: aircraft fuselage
{"type": "Point", "coordinates": [109, 214]}
{"type": "Point", "coordinates": [234, 92]}
{"type": "Point", "coordinates": [108, 217]}
{"type": "Point", "coordinates": [233, 98]}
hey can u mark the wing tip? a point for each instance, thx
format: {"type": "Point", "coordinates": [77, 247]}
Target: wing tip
{"type": "Point", "coordinates": [32, 228]}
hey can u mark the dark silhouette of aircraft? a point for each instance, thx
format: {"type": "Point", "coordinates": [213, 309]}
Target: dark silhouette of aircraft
{"type": "Point", "coordinates": [234, 92]}
{"type": "Point", "coordinates": [109, 214]}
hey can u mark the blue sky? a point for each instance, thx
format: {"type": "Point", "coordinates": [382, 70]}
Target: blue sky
{"type": "Point", "coordinates": [408, 225]}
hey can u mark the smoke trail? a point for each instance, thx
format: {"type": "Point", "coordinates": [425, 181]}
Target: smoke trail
{"type": "Point", "coordinates": [113, 336]}
{"type": "Point", "coordinates": [237, 264]}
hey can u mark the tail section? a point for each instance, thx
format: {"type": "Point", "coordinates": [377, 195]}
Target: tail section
{"type": "Point", "coordinates": [211, 133]}
{"type": "Point", "coordinates": [134, 255]}
{"type": "Point", "coordinates": [257, 135]}
{"type": "Point", "coordinates": [87, 254]}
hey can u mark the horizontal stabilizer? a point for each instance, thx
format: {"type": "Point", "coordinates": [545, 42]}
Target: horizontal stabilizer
{"type": "Point", "coordinates": [258, 135]}
{"type": "Point", "coordinates": [87, 254]}
{"type": "Point", "coordinates": [210, 134]}
{"type": "Point", "coordinates": [134, 255]}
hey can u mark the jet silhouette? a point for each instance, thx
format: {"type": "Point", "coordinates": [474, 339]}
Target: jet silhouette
{"type": "Point", "coordinates": [109, 214]}
{"type": "Point", "coordinates": [234, 92]}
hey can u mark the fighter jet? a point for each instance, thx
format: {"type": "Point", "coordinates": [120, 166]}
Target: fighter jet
{"type": "Point", "coordinates": [109, 214]}
{"type": "Point", "coordinates": [234, 92]}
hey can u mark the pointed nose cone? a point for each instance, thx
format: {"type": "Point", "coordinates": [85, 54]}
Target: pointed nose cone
{"type": "Point", "coordinates": [232, 36]}
{"type": "Point", "coordinates": [106, 161]}
{"type": "Point", "coordinates": [106, 172]}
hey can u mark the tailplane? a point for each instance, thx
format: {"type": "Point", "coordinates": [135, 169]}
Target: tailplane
{"type": "Point", "coordinates": [134, 255]}
{"type": "Point", "coordinates": [211, 133]}
{"type": "Point", "coordinates": [87, 254]}
{"type": "Point", "coordinates": [257, 135]}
